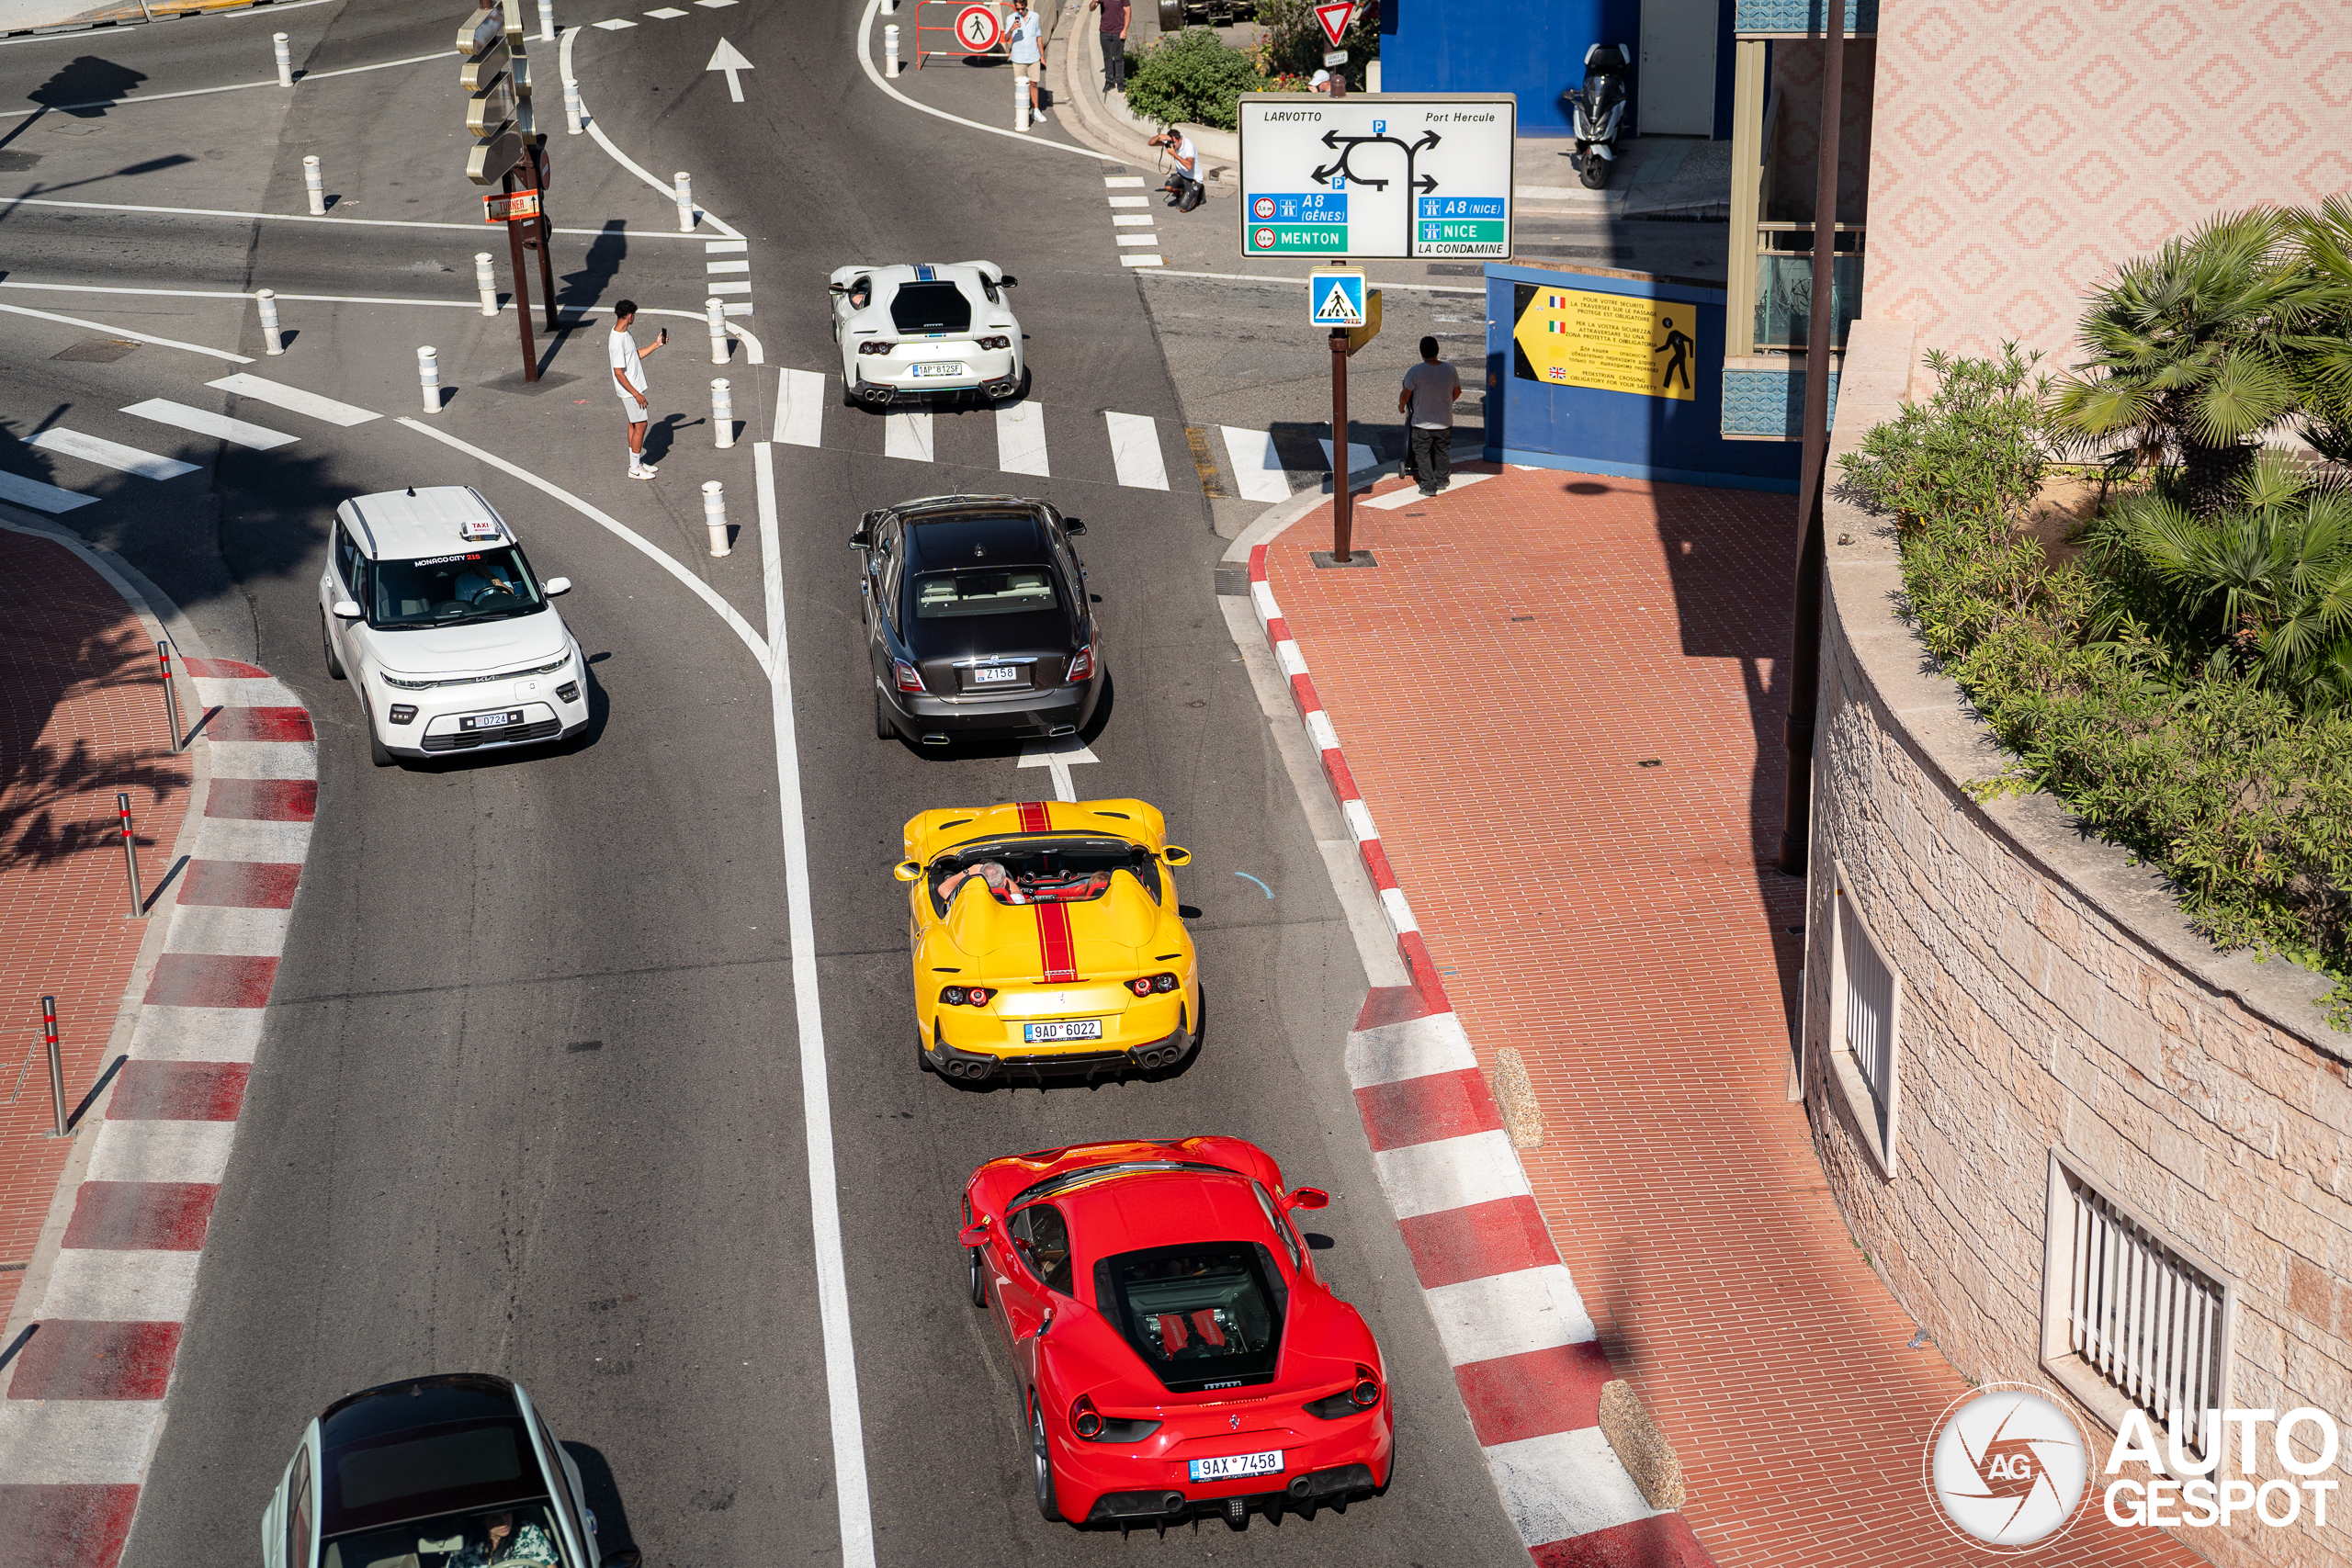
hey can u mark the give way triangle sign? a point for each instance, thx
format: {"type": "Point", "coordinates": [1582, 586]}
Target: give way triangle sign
{"type": "Point", "coordinates": [1335, 19]}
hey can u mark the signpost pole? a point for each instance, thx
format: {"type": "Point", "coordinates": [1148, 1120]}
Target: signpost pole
{"type": "Point", "coordinates": [521, 289]}
{"type": "Point", "coordinates": [1342, 517]}
{"type": "Point", "coordinates": [540, 172]}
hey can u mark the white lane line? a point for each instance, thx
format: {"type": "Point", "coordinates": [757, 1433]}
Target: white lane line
{"type": "Point", "coordinates": [1124, 182]}
{"type": "Point", "coordinates": [307, 217]}
{"type": "Point", "coordinates": [125, 332]}
{"type": "Point", "coordinates": [1565, 1484]}
{"type": "Point", "coordinates": [280, 5]}
{"type": "Point", "coordinates": [1057, 758]}
{"type": "Point", "coordinates": [38, 496]}
{"type": "Point", "coordinates": [231, 87]}
{"type": "Point", "coordinates": [1411, 496]}
{"type": "Point", "coordinates": [1021, 439]}
{"type": "Point", "coordinates": [906, 436]}
{"type": "Point", "coordinates": [724, 247]}
{"type": "Point", "coordinates": [873, 75]}
{"type": "Point", "coordinates": [563, 63]}
{"type": "Point", "coordinates": [163, 410]}
{"type": "Point", "coordinates": [719, 267]}
{"type": "Point", "coordinates": [294, 398]}
{"type": "Point", "coordinates": [800, 408]}
{"type": "Point", "coordinates": [110, 454]}
{"type": "Point", "coordinates": [1257, 467]}
{"type": "Point", "coordinates": [1134, 451]}
{"type": "Point", "coordinates": [1131, 259]}
{"type": "Point", "coordinates": [695, 585]}
{"type": "Point", "coordinates": [1359, 456]}
{"type": "Point", "coordinates": [853, 1509]}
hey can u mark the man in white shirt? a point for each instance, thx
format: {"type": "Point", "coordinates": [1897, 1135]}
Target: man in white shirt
{"type": "Point", "coordinates": [1184, 181]}
{"type": "Point", "coordinates": [627, 361]}
{"type": "Point", "coordinates": [1431, 389]}
{"type": "Point", "coordinates": [1021, 33]}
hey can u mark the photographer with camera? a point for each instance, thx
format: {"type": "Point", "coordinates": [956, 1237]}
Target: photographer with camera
{"type": "Point", "coordinates": [1184, 188]}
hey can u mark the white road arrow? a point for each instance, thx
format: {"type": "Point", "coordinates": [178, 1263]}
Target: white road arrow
{"type": "Point", "coordinates": [729, 58]}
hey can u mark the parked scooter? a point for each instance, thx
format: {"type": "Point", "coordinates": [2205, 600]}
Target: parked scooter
{"type": "Point", "coordinates": [1599, 107]}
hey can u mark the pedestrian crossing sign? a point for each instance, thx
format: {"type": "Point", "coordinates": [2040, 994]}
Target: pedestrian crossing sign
{"type": "Point", "coordinates": [1335, 298]}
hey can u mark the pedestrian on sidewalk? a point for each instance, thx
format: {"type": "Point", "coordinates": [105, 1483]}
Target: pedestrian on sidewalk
{"type": "Point", "coordinates": [628, 379]}
{"type": "Point", "coordinates": [1021, 31]}
{"type": "Point", "coordinates": [1114, 43]}
{"type": "Point", "coordinates": [1431, 389]}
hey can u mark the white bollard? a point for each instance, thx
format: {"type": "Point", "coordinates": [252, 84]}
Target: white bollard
{"type": "Point", "coordinates": [284, 59]}
{"type": "Point", "coordinates": [714, 514]}
{"type": "Point", "coordinates": [1019, 105]}
{"type": "Point", "coordinates": [316, 183]}
{"type": "Point", "coordinates": [547, 21]}
{"type": "Point", "coordinates": [487, 281]}
{"type": "Point", "coordinates": [573, 114]}
{"type": "Point", "coordinates": [890, 50]}
{"type": "Point", "coordinates": [428, 378]}
{"type": "Point", "coordinates": [686, 189]}
{"type": "Point", "coordinates": [271, 343]}
{"type": "Point", "coordinates": [715, 308]}
{"type": "Point", "coordinates": [722, 413]}
{"type": "Point", "coordinates": [889, 7]}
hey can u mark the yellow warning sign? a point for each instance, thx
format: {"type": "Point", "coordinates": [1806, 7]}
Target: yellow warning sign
{"type": "Point", "coordinates": [1611, 343]}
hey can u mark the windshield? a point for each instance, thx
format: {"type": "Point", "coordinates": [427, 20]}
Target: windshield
{"type": "Point", "coordinates": [1041, 870]}
{"type": "Point", "coordinates": [488, 585]}
{"type": "Point", "coordinates": [931, 307]}
{"type": "Point", "coordinates": [995, 590]}
{"type": "Point", "coordinates": [1204, 1314]}
{"type": "Point", "coordinates": [521, 1536]}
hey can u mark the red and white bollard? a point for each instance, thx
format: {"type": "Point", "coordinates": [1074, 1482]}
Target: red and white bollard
{"type": "Point", "coordinates": [130, 855]}
{"type": "Point", "coordinates": [171, 693]}
{"type": "Point", "coordinates": [56, 1063]}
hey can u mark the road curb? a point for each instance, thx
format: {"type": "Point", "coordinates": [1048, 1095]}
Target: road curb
{"type": "Point", "coordinates": [95, 1331]}
{"type": "Point", "coordinates": [1526, 1356]}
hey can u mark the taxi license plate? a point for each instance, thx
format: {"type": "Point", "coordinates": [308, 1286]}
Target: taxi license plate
{"type": "Point", "coordinates": [491, 720]}
{"type": "Point", "coordinates": [1232, 1465]}
{"type": "Point", "coordinates": [998, 676]}
{"type": "Point", "coordinates": [950, 367]}
{"type": "Point", "coordinates": [1062, 1029]}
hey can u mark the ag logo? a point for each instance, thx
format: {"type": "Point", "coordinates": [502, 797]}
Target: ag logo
{"type": "Point", "coordinates": [1263, 239]}
{"type": "Point", "coordinates": [2008, 1465]}
{"type": "Point", "coordinates": [1262, 208]}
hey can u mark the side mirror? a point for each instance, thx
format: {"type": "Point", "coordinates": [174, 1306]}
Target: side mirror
{"type": "Point", "coordinates": [555, 585]}
{"type": "Point", "coordinates": [1176, 854]}
{"type": "Point", "coordinates": [861, 540]}
{"type": "Point", "coordinates": [1308, 1198]}
{"type": "Point", "coordinates": [837, 288]}
{"type": "Point", "coordinates": [907, 871]}
{"type": "Point", "coordinates": [1008, 281]}
{"type": "Point", "coordinates": [973, 1236]}
{"type": "Point", "coordinates": [346, 610]}
{"type": "Point", "coordinates": [1073, 527]}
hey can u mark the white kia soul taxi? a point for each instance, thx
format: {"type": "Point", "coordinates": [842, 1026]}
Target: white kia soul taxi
{"type": "Point", "coordinates": [428, 607]}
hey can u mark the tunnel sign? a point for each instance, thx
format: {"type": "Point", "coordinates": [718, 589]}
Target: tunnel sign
{"type": "Point", "coordinates": [1382, 174]}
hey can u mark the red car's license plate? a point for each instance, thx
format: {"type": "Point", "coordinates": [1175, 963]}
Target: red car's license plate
{"type": "Point", "coordinates": [1233, 1465]}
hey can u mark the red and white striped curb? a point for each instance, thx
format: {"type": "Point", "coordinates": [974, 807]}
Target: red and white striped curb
{"type": "Point", "coordinates": [83, 1405]}
{"type": "Point", "coordinates": [1525, 1354]}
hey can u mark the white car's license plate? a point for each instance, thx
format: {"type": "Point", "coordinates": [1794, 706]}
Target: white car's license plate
{"type": "Point", "coordinates": [1062, 1029]}
{"type": "Point", "coordinates": [951, 367]}
{"type": "Point", "coordinates": [1232, 1465]}
{"type": "Point", "coordinates": [491, 720]}
{"type": "Point", "coordinates": [998, 676]}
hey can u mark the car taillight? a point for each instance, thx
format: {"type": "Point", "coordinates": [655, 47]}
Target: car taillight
{"type": "Point", "coordinates": [997, 341]}
{"type": "Point", "coordinates": [909, 678]}
{"type": "Point", "coordinates": [1084, 1419]}
{"type": "Point", "coordinates": [1143, 985]}
{"type": "Point", "coordinates": [1366, 1393]}
{"type": "Point", "coordinates": [1363, 1396]}
{"type": "Point", "coordinates": [966, 996]}
{"type": "Point", "coordinates": [1096, 1427]}
{"type": "Point", "coordinates": [876, 345]}
{"type": "Point", "coordinates": [1081, 666]}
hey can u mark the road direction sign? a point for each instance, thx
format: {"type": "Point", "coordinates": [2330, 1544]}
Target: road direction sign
{"type": "Point", "coordinates": [475, 33]}
{"type": "Point", "coordinates": [510, 207]}
{"type": "Point", "coordinates": [1336, 18]}
{"type": "Point", "coordinates": [729, 58]}
{"type": "Point", "coordinates": [1390, 175]}
{"type": "Point", "coordinates": [483, 68]}
{"type": "Point", "coordinates": [489, 159]}
{"type": "Point", "coordinates": [977, 29]}
{"type": "Point", "coordinates": [1359, 336]}
{"type": "Point", "coordinates": [491, 108]}
{"type": "Point", "coordinates": [1334, 300]}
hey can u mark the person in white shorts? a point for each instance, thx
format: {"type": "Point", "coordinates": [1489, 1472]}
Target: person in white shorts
{"type": "Point", "coordinates": [1021, 32]}
{"type": "Point", "coordinates": [628, 378]}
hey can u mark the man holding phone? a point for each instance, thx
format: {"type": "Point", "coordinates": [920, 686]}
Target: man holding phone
{"type": "Point", "coordinates": [628, 378]}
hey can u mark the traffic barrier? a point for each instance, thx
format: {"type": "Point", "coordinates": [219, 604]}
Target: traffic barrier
{"type": "Point", "coordinates": [272, 342]}
{"type": "Point", "coordinates": [890, 49]}
{"type": "Point", "coordinates": [428, 378]}
{"type": "Point", "coordinates": [56, 1063]}
{"type": "Point", "coordinates": [316, 184]}
{"type": "Point", "coordinates": [716, 309]}
{"type": "Point", "coordinates": [284, 59]}
{"type": "Point", "coordinates": [486, 281]}
{"type": "Point", "coordinates": [547, 21]}
{"type": "Point", "coordinates": [171, 694]}
{"type": "Point", "coordinates": [685, 183]}
{"type": "Point", "coordinates": [130, 855]}
{"type": "Point", "coordinates": [714, 514]}
{"type": "Point", "coordinates": [722, 413]}
{"type": "Point", "coordinates": [572, 113]}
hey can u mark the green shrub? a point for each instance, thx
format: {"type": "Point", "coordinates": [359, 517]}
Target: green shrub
{"type": "Point", "coordinates": [1193, 77]}
{"type": "Point", "coordinates": [1291, 49]}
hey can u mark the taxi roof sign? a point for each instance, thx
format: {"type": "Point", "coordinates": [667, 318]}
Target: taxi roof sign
{"type": "Point", "coordinates": [1335, 298]}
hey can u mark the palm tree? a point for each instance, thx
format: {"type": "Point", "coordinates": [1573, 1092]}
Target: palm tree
{"type": "Point", "coordinates": [2187, 351]}
{"type": "Point", "coordinates": [2319, 360]}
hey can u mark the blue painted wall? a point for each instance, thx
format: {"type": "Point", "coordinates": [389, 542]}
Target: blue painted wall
{"type": "Point", "coordinates": [1532, 48]}
{"type": "Point", "coordinates": [1594, 431]}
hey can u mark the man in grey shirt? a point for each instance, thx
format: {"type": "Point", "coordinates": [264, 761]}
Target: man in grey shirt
{"type": "Point", "coordinates": [1431, 389]}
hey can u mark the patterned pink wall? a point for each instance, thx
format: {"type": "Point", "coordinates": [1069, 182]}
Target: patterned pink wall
{"type": "Point", "coordinates": [1796, 77]}
{"type": "Point", "coordinates": [2022, 149]}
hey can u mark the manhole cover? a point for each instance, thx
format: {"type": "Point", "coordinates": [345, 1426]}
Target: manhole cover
{"type": "Point", "coordinates": [102, 349]}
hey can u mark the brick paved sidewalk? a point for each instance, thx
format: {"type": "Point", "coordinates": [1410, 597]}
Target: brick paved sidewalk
{"type": "Point", "coordinates": [81, 718]}
{"type": "Point", "coordinates": [1555, 692]}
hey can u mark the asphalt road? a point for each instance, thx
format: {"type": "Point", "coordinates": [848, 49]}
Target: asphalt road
{"type": "Point", "coordinates": [530, 1101]}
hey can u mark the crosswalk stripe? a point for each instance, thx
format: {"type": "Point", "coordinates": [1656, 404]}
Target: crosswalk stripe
{"type": "Point", "coordinates": [1359, 456]}
{"type": "Point", "coordinates": [38, 496]}
{"type": "Point", "coordinates": [728, 287]}
{"type": "Point", "coordinates": [1131, 220]}
{"type": "Point", "coordinates": [614, 24]}
{"type": "Point", "coordinates": [1137, 239]}
{"type": "Point", "coordinates": [294, 398]}
{"type": "Point", "coordinates": [719, 267]}
{"type": "Point", "coordinates": [1117, 181]}
{"type": "Point", "coordinates": [1134, 451]}
{"type": "Point", "coordinates": [1130, 258]}
{"type": "Point", "coordinates": [1021, 439]}
{"type": "Point", "coordinates": [111, 455]}
{"type": "Point", "coordinates": [724, 247]}
{"type": "Point", "coordinates": [1130, 202]}
{"type": "Point", "coordinates": [1257, 467]}
{"type": "Point", "coordinates": [163, 410]}
{"type": "Point", "coordinates": [906, 436]}
{"type": "Point", "coordinates": [800, 410]}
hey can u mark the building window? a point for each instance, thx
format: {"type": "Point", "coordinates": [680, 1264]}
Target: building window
{"type": "Point", "coordinates": [1865, 1019]}
{"type": "Point", "coordinates": [2131, 1319]}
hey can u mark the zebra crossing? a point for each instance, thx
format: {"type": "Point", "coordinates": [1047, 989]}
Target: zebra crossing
{"type": "Point", "coordinates": [99, 451]}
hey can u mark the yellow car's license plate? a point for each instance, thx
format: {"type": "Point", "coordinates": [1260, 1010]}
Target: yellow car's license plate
{"type": "Point", "coordinates": [1060, 1030]}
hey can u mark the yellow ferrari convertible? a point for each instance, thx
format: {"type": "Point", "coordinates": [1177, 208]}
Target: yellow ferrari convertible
{"type": "Point", "coordinates": [1048, 939]}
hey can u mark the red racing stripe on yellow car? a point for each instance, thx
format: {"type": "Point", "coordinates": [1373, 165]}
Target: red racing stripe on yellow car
{"type": "Point", "coordinates": [1034, 819]}
{"type": "Point", "coordinates": [1058, 952]}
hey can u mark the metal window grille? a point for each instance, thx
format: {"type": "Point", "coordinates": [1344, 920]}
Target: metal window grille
{"type": "Point", "coordinates": [2144, 1317]}
{"type": "Point", "coordinates": [1870, 1013]}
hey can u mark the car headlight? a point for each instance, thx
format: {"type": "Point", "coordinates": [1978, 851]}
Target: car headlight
{"type": "Point", "coordinates": [475, 679]}
{"type": "Point", "coordinates": [406, 685]}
